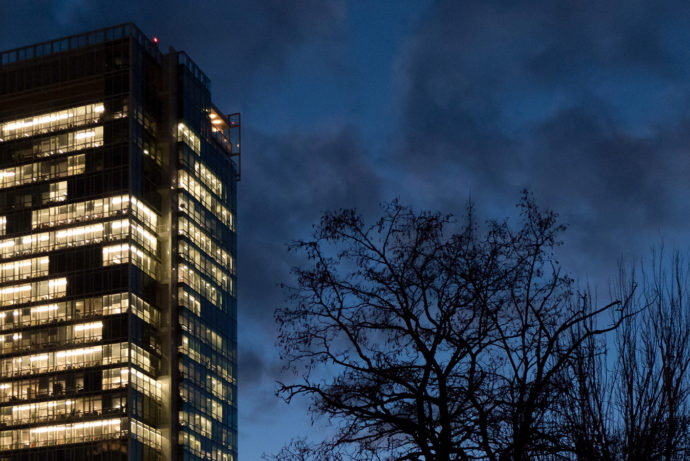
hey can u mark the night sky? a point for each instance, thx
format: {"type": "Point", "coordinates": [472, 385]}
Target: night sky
{"type": "Point", "coordinates": [586, 103]}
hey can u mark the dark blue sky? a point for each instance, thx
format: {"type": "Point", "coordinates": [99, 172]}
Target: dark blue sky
{"type": "Point", "coordinates": [352, 103]}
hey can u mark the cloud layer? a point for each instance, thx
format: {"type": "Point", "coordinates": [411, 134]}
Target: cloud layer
{"type": "Point", "coordinates": [585, 103]}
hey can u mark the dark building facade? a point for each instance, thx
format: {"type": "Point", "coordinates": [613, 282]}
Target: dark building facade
{"type": "Point", "coordinates": [117, 254]}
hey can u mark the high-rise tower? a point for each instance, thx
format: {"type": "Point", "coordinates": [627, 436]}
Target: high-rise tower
{"type": "Point", "coordinates": [117, 254]}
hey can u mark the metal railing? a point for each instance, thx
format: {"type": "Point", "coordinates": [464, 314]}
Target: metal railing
{"type": "Point", "coordinates": [76, 42]}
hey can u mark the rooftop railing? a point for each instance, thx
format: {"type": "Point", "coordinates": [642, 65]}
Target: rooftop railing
{"type": "Point", "coordinates": [76, 42]}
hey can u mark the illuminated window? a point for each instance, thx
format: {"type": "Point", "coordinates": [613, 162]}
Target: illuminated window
{"type": "Point", "coordinates": [36, 291]}
{"type": "Point", "coordinates": [202, 217]}
{"type": "Point", "coordinates": [186, 135]}
{"type": "Point", "coordinates": [204, 265]}
{"type": "Point", "coordinates": [143, 383]}
{"type": "Point", "coordinates": [69, 142]}
{"type": "Point", "coordinates": [190, 348]}
{"type": "Point", "coordinates": [204, 333]}
{"type": "Point", "coordinates": [216, 410]}
{"type": "Point", "coordinates": [52, 121]}
{"type": "Point", "coordinates": [91, 331]}
{"type": "Point", "coordinates": [203, 196]}
{"type": "Point", "coordinates": [66, 310]}
{"type": "Point", "coordinates": [201, 402]}
{"type": "Point", "coordinates": [68, 334]}
{"type": "Point", "coordinates": [115, 378]}
{"type": "Point", "coordinates": [190, 230]}
{"type": "Point", "coordinates": [64, 359]}
{"type": "Point", "coordinates": [65, 238]}
{"type": "Point", "coordinates": [191, 371]}
{"type": "Point", "coordinates": [79, 211]}
{"type": "Point", "coordinates": [145, 238]}
{"type": "Point", "coordinates": [125, 253]}
{"type": "Point", "coordinates": [117, 254]}
{"type": "Point", "coordinates": [23, 269]}
{"type": "Point", "coordinates": [28, 389]}
{"type": "Point", "coordinates": [143, 359]}
{"type": "Point", "coordinates": [20, 246]}
{"type": "Point", "coordinates": [83, 235]}
{"type": "Point", "coordinates": [144, 310]}
{"type": "Point", "coordinates": [192, 443]}
{"type": "Point", "coordinates": [57, 193]}
{"type": "Point", "coordinates": [196, 282]}
{"type": "Point", "coordinates": [203, 173]}
{"type": "Point", "coordinates": [57, 409]}
{"type": "Point", "coordinates": [61, 434]}
{"type": "Point", "coordinates": [196, 422]}
{"type": "Point", "coordinates": [146, 434]}
{"type": "Point", "coordinates": [144, 214]}
{"type": "Point", "coordinates": [189, 300]}
{"type": "Point", "coordinates": [41, 171]}
{"type": "Point", "coordinates": [218, 388]}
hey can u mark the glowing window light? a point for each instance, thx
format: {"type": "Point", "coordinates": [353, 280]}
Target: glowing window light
{"type": "Point", "coordinates": [88, 326]}
{"type": "Point", "coordinates": [46, 308]}
{"type": "Point", "coordinates": [43, 119]}
{"type": "Point", "coordinates": [79, 231]}
{"type": "Point", "coordinates": [144, 208]}
{"type": "Point", "coordinates": [23, 407]}
{"type": "Point", "coordinates": [107, 422]}
{"type": "Point", "coordinates": [34, 406]}
{"type": "Point", "coordinates": [16, 289]}
{"type": "Point", "coordinates": [85, 135]}
{"type": "Point", "coordinates": [119, 224]}
{"type": "Point", "coordinates": [147, 235]}
{"type": "Point", "coordinates": [89, 350]}
{"type": "Point", "coordinates": [35, 358]}
{"type": "Point", "coordinates": [5, 386]}
{"type": "Point", "coordinates": [115, 248]}
{"type": "Point", "coordinates": [41, 430]}
{"type": "Point", "coordinates": [23, 263]}
{"type": "Point", "coordinates": [36, 121]}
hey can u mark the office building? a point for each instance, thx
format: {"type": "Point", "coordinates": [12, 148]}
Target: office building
{"type": "Point", "coordinates": [117, 254]}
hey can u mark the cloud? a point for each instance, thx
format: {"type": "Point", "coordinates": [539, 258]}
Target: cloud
{"type": "Point", "coordinates": [237, 42]}
{"type": "Point", "coordinates": [290, 181]}
{"type": "Point", "coordinates": [583, 102]}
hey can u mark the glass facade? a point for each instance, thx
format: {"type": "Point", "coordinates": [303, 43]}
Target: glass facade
{"type": "Point", "coordinates": [118, 314]}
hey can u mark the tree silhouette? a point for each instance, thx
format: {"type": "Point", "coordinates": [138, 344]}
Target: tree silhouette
{"type": "Point", "coordinates": [629, 401]}
{"type": "Point", "coordinates": [419, 338]}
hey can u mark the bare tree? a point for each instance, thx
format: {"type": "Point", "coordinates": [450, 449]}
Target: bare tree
{"type": "Point", "coordinates": [631, 403]}
{"type": "Point", "coordinates": [418, 341]}
{"type": "Point", "coordinates": [302, 450]}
